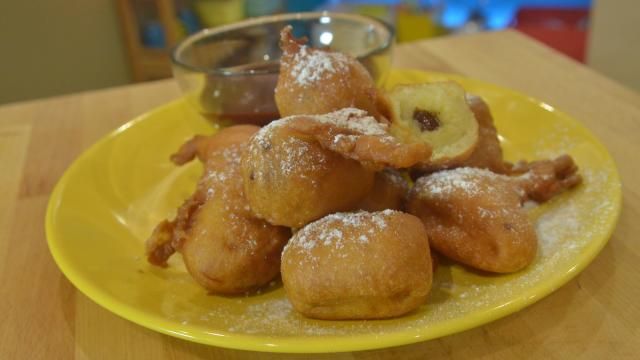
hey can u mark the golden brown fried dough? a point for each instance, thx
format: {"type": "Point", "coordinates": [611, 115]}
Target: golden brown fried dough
{"type": "Point", "coordinates": [358, 266]}
{"type": "Point", "coordinates": [389, 191]}
{"type": "Point", "coordinates": [226, 249]}
{"type": "Point", "coordinates": [301, 168]}
{"type": "Point", "coordinates": [291, 180]}
{"type": "Point", "coordinates": [203, 147]}
{"type": "Point", "coordinates": [488, 153]}
{"type": "Point", "coordinates": [549, 176]}
{"type": "Point", "coordinates": [167, 237]}
{"type": "Point", "coordinates": [474, 216]}
{"type": "Point", "coordinates": [315, 81]}
{"type": "Point", "coordinates": [358, 137]}
{"type": "Point", "coordinates": [543, 179]}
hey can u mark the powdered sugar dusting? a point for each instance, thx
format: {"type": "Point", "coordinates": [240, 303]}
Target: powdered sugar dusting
{"type": "Point", "coordinates": [456, 292]}
{"type": "Point", "coordinates": [445, 183]}
{"type": "Point", "coordinates": [293, 156]}
{"type": "Point", "coordinates": [348, 118]}
{"type": "Point", "coordinates": [313, 65]}
{"type": "Point", "coordinates": [328, 231]}
{"type": "Point", "coordinates": [557, 228]}
{"type": "Point", "coordinates": [293, 159]}
{"type": "Point", "coordinates": [554, 226]}
{"type": "Point", "coordinates": [220, 181]}
{"type": "Point", "coordinates": [354, 119]}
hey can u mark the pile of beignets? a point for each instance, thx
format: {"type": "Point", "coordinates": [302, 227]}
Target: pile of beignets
{"type": "Point", "coordinates": [370, 184]}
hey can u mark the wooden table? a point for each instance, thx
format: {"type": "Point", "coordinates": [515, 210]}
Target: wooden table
{"type": "Point", "coordinates": [597, 315]}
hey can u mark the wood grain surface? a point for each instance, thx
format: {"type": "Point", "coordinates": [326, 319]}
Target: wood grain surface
{"type": "Point", "coordinates": [597, 315]}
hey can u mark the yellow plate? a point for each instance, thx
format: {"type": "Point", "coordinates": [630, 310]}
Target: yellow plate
{"type": "Point", "coordinates": [108, 201]}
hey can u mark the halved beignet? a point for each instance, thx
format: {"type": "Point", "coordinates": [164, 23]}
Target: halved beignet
{"type": "Point", "coordinates": [436, 114]}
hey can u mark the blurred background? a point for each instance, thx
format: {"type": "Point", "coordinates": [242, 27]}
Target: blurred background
{"type": "Point", "coordinates": [54, 47]}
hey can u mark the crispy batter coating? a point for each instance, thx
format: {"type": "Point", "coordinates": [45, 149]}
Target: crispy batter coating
{"type": "Point", "coordinates": [488, 153]}
{"type": "Point", "coordinates": [226, 249]}
{"type": "Point", "coordinates": [317, 81]}
{"type": "Point", "coordinates": [291, 180]}
{"type": "Point", "coordinates": [358, 266]}
{"type": "Point", "coordinates": [301, 168]}
{"type": "Point", "coordinates": [203, 147]}
{"type": "Point", "coordinates": [374, 150]}
{"type": "Point", "coordinates": [475, 216]}
{"type": "Point", "coordinates": [390, 190]}
{"type": "Point", "coordinates": [543, 179]}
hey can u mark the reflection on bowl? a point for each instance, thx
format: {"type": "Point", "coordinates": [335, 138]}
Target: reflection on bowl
{"type": "Point", "coordinates": [230, 72]}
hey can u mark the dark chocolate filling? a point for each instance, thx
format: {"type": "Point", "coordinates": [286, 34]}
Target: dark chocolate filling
{"type": "Point", "coordinates": [427, 120]}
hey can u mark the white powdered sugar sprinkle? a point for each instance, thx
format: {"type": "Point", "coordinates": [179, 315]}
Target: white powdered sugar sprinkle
{"type": "Point", "coordinates": [313, 65]}
{"type": "Point", "coordinates": [293, 156]}
{"type": "Point", "coordinates": [445, 183]}
{"type": "Point", "coordinates": [351, 119]}
{"type": "Point", "coordinates": [554, 226]}
{"type": "Point", "coordinates": [328, 231]}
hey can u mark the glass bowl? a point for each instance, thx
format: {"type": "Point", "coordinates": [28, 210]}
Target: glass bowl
{"type": "Point", "coordinates": [230, 72]}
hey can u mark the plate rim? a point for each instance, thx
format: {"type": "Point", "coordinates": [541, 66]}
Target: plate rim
{"type": "Point", "coordinates": [299, 344]}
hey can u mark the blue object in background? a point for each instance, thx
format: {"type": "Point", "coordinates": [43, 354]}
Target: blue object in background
{"type": "Point", "coordinates": [498, 14]}
{"type": "Point", "coordinates": [189, 20]}
{"type": "Point", "coordinates": [366, 2]}
{"type": "Point", "coordinates": [453, 14]}
{"type": "Point", "coordinates": [429, 3]}
{"type": "Point", "coordinates": [456, 13]}
{"type": "Point", "coordinates": [153, 35]}
{"type": "Point", "coordinates": [554, 3]}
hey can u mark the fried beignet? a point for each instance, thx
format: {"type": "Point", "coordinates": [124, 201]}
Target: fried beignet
{"type": "Point", "coordinates": [358, 266]}
{"type": "Point", "coordinates": [291, 180]}
{"type": "Point", "coordinates": [543, 179]}
{"type": "Point", "coordinates": [203, 147]}
{"type": "Point", "coordinates": [436, 114]}
{"type": "Point", "coordinates": [317, 81]}
{"type": "Point", "coordinates": [488, 155]}
{"type": "Point", "coordinates": [225, 248]}
{"type": "Point", "coordinates": [301, 168]}
{"type": "Point", "coordinates": [356, 136]}
{"type": "Point", "coordinates": [389, 191]}
{"type": "Point", "coordinates": [488, 152]}
{"type": "Point", "coordinates": [475, 216]}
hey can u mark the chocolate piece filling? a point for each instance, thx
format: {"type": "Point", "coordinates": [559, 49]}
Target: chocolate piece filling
{"type": "Point", "coordinates": [427, 120]}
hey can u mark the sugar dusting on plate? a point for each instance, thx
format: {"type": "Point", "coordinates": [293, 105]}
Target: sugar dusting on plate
{"type": "Point", "coordinates": [565, 226]}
